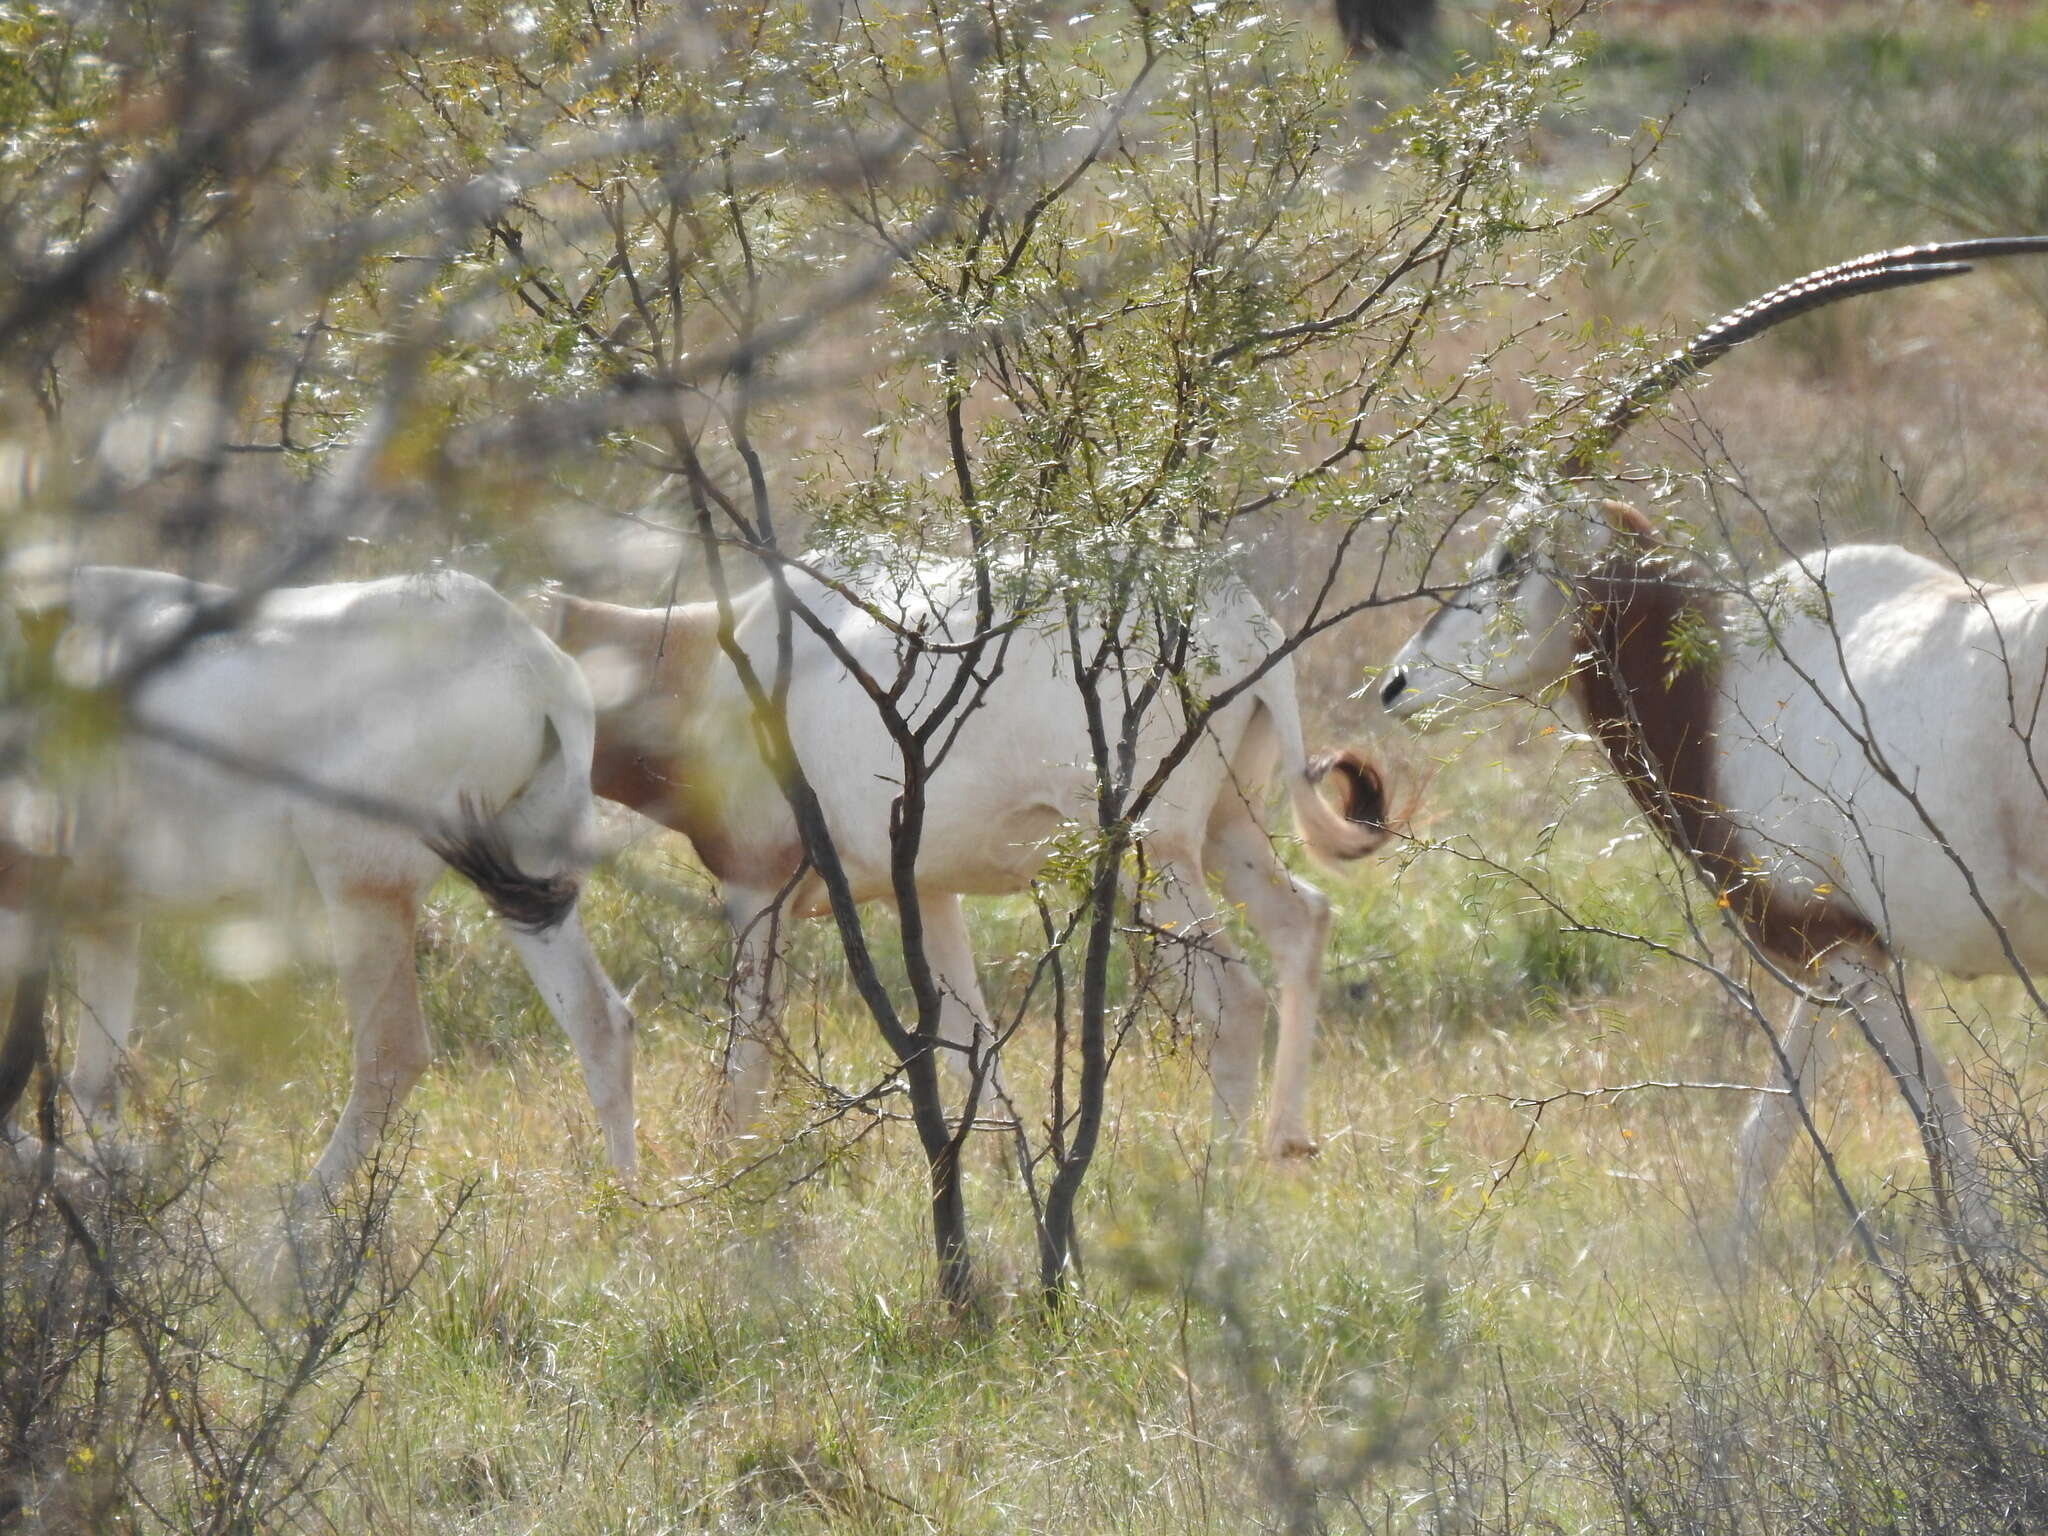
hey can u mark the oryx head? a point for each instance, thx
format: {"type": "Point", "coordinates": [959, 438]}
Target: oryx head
{"type": "Point", "coordinates": [1511, 627]}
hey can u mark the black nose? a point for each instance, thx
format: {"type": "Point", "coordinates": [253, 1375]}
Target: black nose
{"type": "Point", "coordinates": [1396, 682]}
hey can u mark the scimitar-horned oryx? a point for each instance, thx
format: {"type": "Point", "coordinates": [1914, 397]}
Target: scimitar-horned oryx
{"type": "Point", "coordinates": [358, 736]}
{"type": "Point", "coordinates": [1845, 750]}
{"type": "Point", "coordinates": [676, 743]}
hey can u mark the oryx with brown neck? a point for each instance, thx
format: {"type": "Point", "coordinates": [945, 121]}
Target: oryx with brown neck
{"type": "Point", "coordinates": [1845, 750]}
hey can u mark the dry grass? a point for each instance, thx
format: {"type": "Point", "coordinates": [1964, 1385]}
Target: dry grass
{"type": "Point", "coordinates": [1424, 1306]}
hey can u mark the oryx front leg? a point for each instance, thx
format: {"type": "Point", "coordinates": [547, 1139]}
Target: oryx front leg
{"type": "Point", "coordinates": [1952, 1153]}
{"type": "Point", "coordinates": [1797, 1063]}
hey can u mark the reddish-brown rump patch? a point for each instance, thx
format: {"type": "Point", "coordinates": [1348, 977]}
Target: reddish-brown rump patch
{"type": "Point", "coordinates": [623, 771]}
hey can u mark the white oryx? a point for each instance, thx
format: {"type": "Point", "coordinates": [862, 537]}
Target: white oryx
{"type": "Point", "coordinates": [351, 741]}
{"type": "Point", "coordinates": [1845, 749]}
{"type": "Point", "coordinates": [677, 744]}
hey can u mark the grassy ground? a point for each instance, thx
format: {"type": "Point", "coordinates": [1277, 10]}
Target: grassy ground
{"type": "Point", "coordinates": [1452, 1318]}
{"type": "Point", "coordinates": [1417, 1319]}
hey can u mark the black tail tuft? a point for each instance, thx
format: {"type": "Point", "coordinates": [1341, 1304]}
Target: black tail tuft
{"type": "Point", "coordinates": [1365, 792]}
{"type": "Point", "coordinates": [477, 851]}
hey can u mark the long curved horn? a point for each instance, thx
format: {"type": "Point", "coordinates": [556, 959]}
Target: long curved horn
{"type": "Point", "coordinates": [1878, 270]}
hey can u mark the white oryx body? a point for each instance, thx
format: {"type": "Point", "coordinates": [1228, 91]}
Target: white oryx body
{"type": "Point", "coordinates": [1856, 761]}
{"type": "Point", "coordinates": [1944, 678]}
{"type": "Point", "coordinates": [679, 746]}
{"type": "Point", "coordinates": [336, 740]}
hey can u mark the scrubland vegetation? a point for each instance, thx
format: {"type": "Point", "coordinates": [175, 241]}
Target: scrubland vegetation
{"type": "Point", "coordinates": [1501, 1299]}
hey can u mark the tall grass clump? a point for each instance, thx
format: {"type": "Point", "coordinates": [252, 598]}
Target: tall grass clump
{"type": "Point", "coordinates": [171, 1360]}
{"type": "Point", "coordinates": [1906, 1398]}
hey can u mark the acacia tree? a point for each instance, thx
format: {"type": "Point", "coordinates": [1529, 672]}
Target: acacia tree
{"type": "Point", "coordinates": [1116, 312]}
{"type": "Point", "coordinates": [1099, 297]}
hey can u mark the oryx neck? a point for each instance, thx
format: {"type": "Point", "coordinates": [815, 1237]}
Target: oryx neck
{"type": "Point", "coordinates": [1653, 646]}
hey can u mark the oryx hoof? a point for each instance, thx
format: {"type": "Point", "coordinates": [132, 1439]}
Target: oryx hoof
{"type": "Point", "coordinates": [1292, 1148]}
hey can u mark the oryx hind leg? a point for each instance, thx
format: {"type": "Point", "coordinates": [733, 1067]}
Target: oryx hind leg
{"type": "Point", "coordinates": [1292, 917]}
{"type": "Point", "coordinates": [374, 929]}
{"type": "Point", "coordinates": [597, 1021]}
{"type": "Point", "coordinates": [755, 1021]}
{"type": "Point", "coordinates": [105, 963]}
{"type": "Point", "coordinates": [1217, 985]}
{"type": "Point", "coordinates": [963, 1013]}
{"type": "Point", "coordinates": [550, 830]}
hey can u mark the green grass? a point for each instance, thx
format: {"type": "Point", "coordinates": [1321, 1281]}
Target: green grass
{"type": "Point", "coordinates": [1414, 1316]}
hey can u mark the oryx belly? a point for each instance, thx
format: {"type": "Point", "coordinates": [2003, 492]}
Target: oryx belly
{"type": "Point", "coordinates": [1021, 765]}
